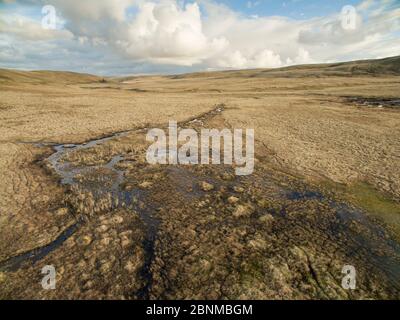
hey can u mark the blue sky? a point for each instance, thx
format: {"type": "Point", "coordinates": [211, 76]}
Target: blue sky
{"type": "Point", "coordinates": [296, 9]}
{"type": "Point", "coordinates": [174, 36]}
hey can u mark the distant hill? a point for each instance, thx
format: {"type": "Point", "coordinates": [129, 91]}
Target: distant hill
{"type": "Point", "coordinates": [45, 77]}
{"type": "Point", "coordinates": [387, 66]}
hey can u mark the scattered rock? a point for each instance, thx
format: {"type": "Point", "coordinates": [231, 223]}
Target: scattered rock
{"type": "Point", "coordinates": [105, 267]}
{"type": "Point", "coordinates": [205, 186]}
{"type": "Point", "coordinates": [118, 219]}
{"type": "Point", "coordinates": [238, 189]}
{"type": "Point", "coordinates": [227, 176]}
{"type": "Point", "coordinates": [243, 211]}
{"type": "Point", "coordinates": [88, 285]}
{"type": "Point", "coordinates": [129, 187]}
{"type": "Point", "coordinates": [132, 265]}
{"type": "Point", "coordinates": [105, 241]}
{"type": "Point", "coordinates": [267, 218]}
{"type": "Point", "coordinates": [257, 243]}
{"type": "Point", "coordinates": [102, 228]}
{"type": "Point", "coordinates": [62, 211]}
{"type": "Point", "coordinates": [205, 265]}
{"type": "Point", "coordinates": [233, 200]}
{"type": "Point", "coordinates": [125, 242]}
{"type": "Point", "coordinates": [145, 185]}
{"type": "Point", "coordinates": [86, 240]}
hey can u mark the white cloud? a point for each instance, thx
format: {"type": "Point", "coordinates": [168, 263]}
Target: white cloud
{"type": "Point", "coordinates": [166, 33]}
{"type": "Point", "coordinates": [26, 28]}
{"type": "Point", "coordinates": [202, 34]}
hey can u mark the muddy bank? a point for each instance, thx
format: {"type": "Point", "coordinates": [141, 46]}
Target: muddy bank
{"type": "Point", "coordinates": [393, 103]}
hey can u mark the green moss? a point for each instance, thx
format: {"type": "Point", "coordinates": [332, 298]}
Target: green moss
{"type": "Point", "coordinates": [253, 270]}
{"type": "Point", "coordinates": [374, 200]}
{"type": "Point", "coordinates": [376, 203]}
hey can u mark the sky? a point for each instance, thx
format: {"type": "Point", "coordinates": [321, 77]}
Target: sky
{"type": "Point", "coordinates": [126, 37]}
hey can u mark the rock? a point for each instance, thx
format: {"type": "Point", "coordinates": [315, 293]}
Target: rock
{"type": "Point", "coordinates": [257, 243]}
{"type": "Point", "coordinates": [81, 264]}
{"type": "Point", "coordinates": [125, 242]}
{"type": "Point", "coordinates": [243, 211]}
{"type": "Point", "coordinates": [105, 267]}
{"type": "Point", "coordinates": [54, 230]}
{"type": "Point", "coordinates": [102, 228]}
{"type": "Point", "coordinates": [238, 189]}
{"type": "Point", "coordinates": [227, 176]}
{"type": "Point", "coordinates": [126, 233]}
{"type": "Point", "coordinates": [233, 200]}
{"type": "Point", "coordinates": [267, 218]}
{"type": "Point", "coordinates": [118, 219]}
{"type": "Point", "coordinates": [105, 241]}
{"type": "Point", "coordinates": [86, 240]}
{"type": "Point", "coordinates": [131, 265]}
{"type": "Point", "coordinates": [2, 277]}
{"type": "Point", "coordinates": [62, 211]}
{"type": "Point", "coordinates": [145, 185]}
{"type": "Point", "coordinates": [201, 204]}
{"type": "Point", "coordinates": [129, 187]}
{"type": "Point", "coordinates": [205, 186]}
{"type": "Point", "coordinates": [205, 265]}
{"type": "Point", "coordinates": [124, 237]}
{"type": "Point", "coordinates": [88, 285]}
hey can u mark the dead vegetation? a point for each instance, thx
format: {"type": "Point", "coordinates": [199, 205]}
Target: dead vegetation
{"type": "Point", "coordinates": [200, 232]}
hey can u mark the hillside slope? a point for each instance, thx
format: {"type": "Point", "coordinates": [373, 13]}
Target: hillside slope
{"type": "Point", "coordinates": [387, 66]}
{"type": "Point", "coordinates": [8, 76]}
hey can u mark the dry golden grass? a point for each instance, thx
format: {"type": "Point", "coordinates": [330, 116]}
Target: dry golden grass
{"type": "Point", "coordinates": [303, 125]}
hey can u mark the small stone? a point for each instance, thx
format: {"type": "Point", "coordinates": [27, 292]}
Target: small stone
{"type": "Point", "coordinates": [238, 189]}
{"type": "Point", "coordinates": [54, 230]}
{"type": "Point", "coordinates": [105, 241]}
{"type": "Point", "coordinates": [201, 204]}
{"type": "Point", "coordinates": [62, 211]}
{"type": "Point", "coordinates": [88, 285]}
{"type": "Point", "coordinates": [124, 236]}
{"type": "Point", "coordinates": [267, 218]}
{"type": "Point", "coordinates": [125, 243]}
{"type": "Point", "coordinates": [205, 265]}
{"type": "Point", "coordinates": [233, 200]}
{"type": "Point", "coordinates": [105, 267]}
{"type": "Point", "coordinates": [131, 266]}
{"type": "Point", "coordinates": [257, 243]}
{"type": "Point", "coordinates": [81, 264]}
{"type": "Point", "coordinates": [86, 240]}
{"type": "Point", "coordinates": [205, 186]}
{"type": "Point", "coordinates": [102, 228]}
{"type": "Point", "coordinates": [145, 185]}
{"type": "Point", "coordinates": [227, 176]}
{"type": "Point", "coordinates": [118, 219]}
{"type": "Point", "coordinates": [243, 211]}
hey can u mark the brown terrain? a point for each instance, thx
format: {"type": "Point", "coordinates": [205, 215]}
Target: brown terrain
{"type": "Point", "coordinates": [77, 193]}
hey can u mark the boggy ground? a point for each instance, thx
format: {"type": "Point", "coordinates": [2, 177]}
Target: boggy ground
{"type": "Point", "coordinates": [200, 232]}
{"type": "Point", "coordinates": [324, 194]}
